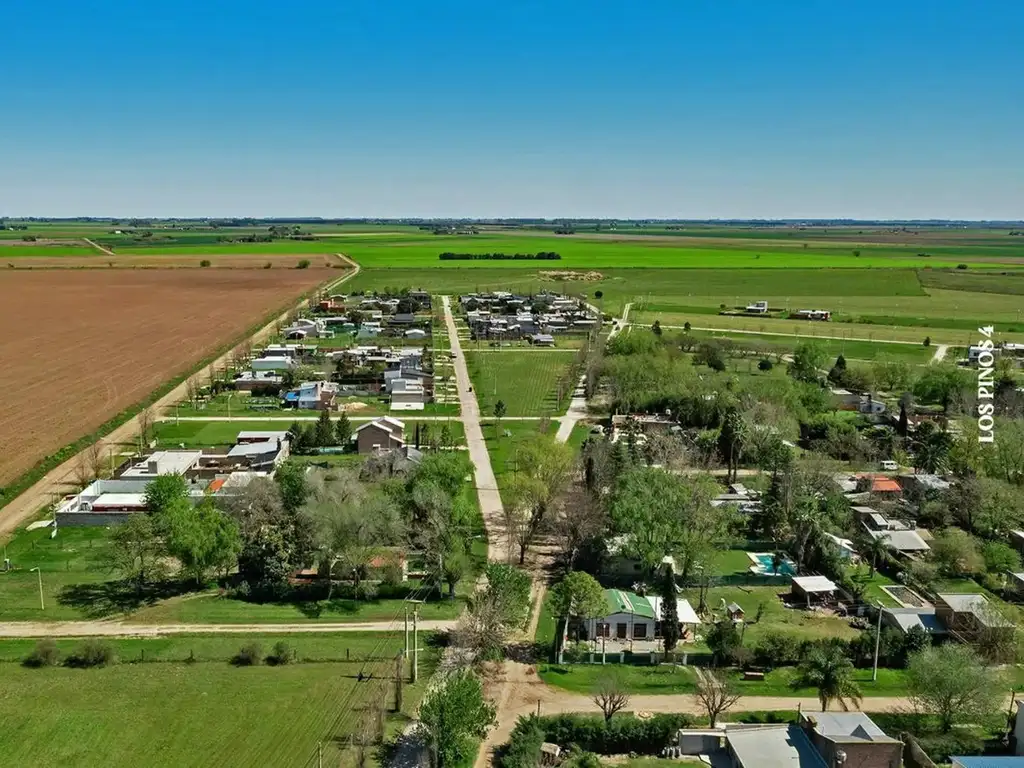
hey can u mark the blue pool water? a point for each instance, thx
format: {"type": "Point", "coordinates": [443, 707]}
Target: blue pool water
{"type": "Point", "coordinates": [786, 568]}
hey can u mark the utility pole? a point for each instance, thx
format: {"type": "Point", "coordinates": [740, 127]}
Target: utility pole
{"type": "Point", "coordinates": [415, 643]}
{"type": "Point", "coordinates": [319, 754]}
{"type": "Point", "coordinates": [878, 640]}
{"type": "Point", "coordinates": [39, 573]}
{"type": "Point", "coordinates": [407, 631]}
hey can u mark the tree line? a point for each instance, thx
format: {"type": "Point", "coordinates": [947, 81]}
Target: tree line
{"type": "Point", "coordinates": [541, 256]}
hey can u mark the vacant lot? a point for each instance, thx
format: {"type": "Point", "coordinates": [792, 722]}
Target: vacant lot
{"type": "Point", "coordinates": [81, 346]}
{"type": "Point", "coordinates": [526, 381]}
{"type": "Point", "coordinates": [207, 713]}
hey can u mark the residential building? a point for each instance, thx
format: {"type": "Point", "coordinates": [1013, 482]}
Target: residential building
{"type": "Point", "coordinates": [317, 395]}
{"type": "Point", "coordinates": [906, 619]}
{"type": "Point", "coordinates": [630, 616]}
{"type": "Point", "coordinates": [249, 381]}
{"type": "Point", "coordinates": [542, 340]}
{"type": "Point", "coordinates": [851, 739]}
{"type": "Point", "coordinates": [380, 435]}
{"type": "Point", "coordinates": [757, 308]}
{"type": "Point", "coordinates": [273, 363]}
{"type": "Point", "coordinates": [415, 333]}
{"type": "Point", "coordinates": [903, 542]}
{"type": "Point", "coordinates": [163, 463]}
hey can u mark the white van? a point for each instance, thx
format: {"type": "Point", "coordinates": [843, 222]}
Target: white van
{"type": "Point", "coordinates": [890, 466]}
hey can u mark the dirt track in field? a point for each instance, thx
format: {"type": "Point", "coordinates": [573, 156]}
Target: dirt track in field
{"type": "Point", "coordinates": [80, 346]}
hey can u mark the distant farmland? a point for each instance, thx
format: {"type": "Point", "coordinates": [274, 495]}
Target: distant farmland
{"type": "Point", "coordinates": [80, 346]}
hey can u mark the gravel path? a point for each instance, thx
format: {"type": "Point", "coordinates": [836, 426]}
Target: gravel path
{"type": "Point", "coordinates": [123, 629]}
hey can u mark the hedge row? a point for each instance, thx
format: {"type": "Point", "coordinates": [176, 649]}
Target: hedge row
{"type": "Point", "coordinates": [542, 256]}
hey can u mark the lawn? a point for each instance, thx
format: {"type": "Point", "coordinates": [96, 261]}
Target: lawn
{"type": "Point", "coordinates": [527, 382]}
{"type": "Point", "coordinates": [502, 447]}
{"type": "Point", "coordinates": [172, 714]}
{"type": "Point", "coordinates": [915, 354]}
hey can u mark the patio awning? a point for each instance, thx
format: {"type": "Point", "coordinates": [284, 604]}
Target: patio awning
{"type": "Point", "coordinates": [686, 613]}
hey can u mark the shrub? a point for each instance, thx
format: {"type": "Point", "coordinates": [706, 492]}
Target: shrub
{"type": "Point", "coordinates": [282, 654]}
{"type": "Point", "coordinates": [91, 653]}
{"type": "Point", "coordinates": [777, 649]}
{"type": "Point", "coordinates": [204, 263]}
{"type": "Point", "coordinates": [765, 365]}
{"type": "Point", "coordinates": [45, 654]}
{"type": "Point", "coordinates": [591, 733]}
{"type": "Point", "coordinates": [961, 266]}
{"type": "Point", "coordinates": [304, 264]}
{"type": "Point", "coordinates": [268, 265]}
{"type": "Point", "coordinates": [249, 655]}
{"type": "Point", "coordinates": [523, 749]}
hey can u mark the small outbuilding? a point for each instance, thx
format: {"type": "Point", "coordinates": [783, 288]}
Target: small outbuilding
{"type": "Point", "coordinates": [814, 589]}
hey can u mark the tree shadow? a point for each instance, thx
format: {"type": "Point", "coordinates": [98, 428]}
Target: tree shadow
{"type": "Point", "coordinates": [97, 600]}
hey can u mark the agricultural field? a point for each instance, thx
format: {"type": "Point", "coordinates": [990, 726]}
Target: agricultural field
{"type": "Point", "coordinates": [526, 381]}
{"type": "Point", "coordinates": [172, 712]}
{"type": "Point", "coordinates": [133, 332]}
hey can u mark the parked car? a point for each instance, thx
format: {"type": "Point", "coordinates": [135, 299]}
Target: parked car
{"type": "Point", "coordinates": [890, 466]}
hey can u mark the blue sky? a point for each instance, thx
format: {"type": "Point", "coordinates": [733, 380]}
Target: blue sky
{"type": "Point", "coordinates": [688, 108]}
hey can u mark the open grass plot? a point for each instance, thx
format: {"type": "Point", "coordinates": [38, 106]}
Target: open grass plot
{"type": "Point", "coordinates": [526, 381]}
{"type": "Point", "coordinates": [915, 354]}
{"type": "Point", "coordinates": [175, 714]}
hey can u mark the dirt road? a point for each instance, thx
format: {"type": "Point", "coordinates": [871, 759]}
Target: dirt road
{"type": "Point", "coordinates": [58, 479]}
{"type": "Point", "coordinates": [122, 629]}
{"type": "Point", "coordinates": [486, 484]}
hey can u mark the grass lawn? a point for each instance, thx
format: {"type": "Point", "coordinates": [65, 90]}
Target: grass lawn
{"type": "Point", "coordinates": [73, 557]}
{"type": "Point", "coordinates": [502, 448]}
{"type": "Point", "coordinates": [174, 714]}
{"type": "Point", "coordinates": [527, 382]}
{"type": "Point", "coordinates": [916, 354]}
{"type": "Point", "coordinates": [776, 616]}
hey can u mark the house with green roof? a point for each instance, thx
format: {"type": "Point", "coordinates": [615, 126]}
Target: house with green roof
{"type": "Point", "coordinates": [630, 617]}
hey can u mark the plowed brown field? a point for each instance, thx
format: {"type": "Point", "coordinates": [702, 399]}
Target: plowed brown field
{"type": "Point", "coordinates": [77, 347]}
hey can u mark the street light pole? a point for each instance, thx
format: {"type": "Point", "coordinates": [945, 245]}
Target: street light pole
{"type": "Point", "coordinates": [39, 573]}
{"type": "Point", "coordinates": [878, 639]}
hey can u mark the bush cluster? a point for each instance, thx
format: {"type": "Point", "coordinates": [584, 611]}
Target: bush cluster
{"type": "Point", "coordinates": [590, 733]}
{"type": "Point", "coordinates": [542, 256]}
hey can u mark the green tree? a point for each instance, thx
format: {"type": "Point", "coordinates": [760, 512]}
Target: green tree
{"type": "Point", "coordinates": [686, 327]}
{"type": "Point", "coordinates": [292, 485]}
{"type": "Point", "coordinates": [765, 365]}
{"type": "Point", "coordinates": [656, 328]}
{"type": "Point", "coordinates": [323, 433]}
{"type": "Point", "coordinates": [723, 640]}
{"type": "Point", "coordinates": [452, 717]}
{"type": "Point", "coordinates": [135, 550]}
{"type": "Point", "coordinates": [265, 562]}
{"type": "Point", "coordinates": [670, 632]}
{"type": "Point", "coordinates": [808, 358]}
{"type": "Point", "coordinates": [164, 492]}
{"type": "Point", "coordinates": [953, 682]}
{"type": "Point", "coordinates": [875, 549]}
{"type": "Point", "coordinates": [731, 439]}
{"type": "Point", "coordinates": [509, 587]}
{"type": "Point", "coordinates": [578, 596]}
{"type": "Point", "coordinates": [499, 412]}
{"type": "Point", "coordinates": [202, 538]}
{"type": "Point", "coordinates": [1000, 557]}
{"type": "Point", "coordinates": [956, 554]}
{"type": "Point", "coordinates": [931, 448]}
{"type": "Point", "coordinates": [343, 430]}
{"type": "Point", "coordinates": [827, 668]}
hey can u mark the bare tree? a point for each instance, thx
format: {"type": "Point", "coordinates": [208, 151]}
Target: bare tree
{"type": "Point", "coordinates": [716, 694]}
{"type": "Point", "coordinates": [611, 697]}
{"type": "Point", "coordinates": [145, 420]}
{"type": "Point", "coordinates": [83, 475]}
{"type": "Point", "coordinates": [192, 391]}
{"type": "Point", "coordinates": [94, 457]}
{"type": "Point", "coordinates": [582, 518]}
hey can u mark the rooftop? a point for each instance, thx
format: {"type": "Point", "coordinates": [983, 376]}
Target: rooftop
{"type": "Point", "coordinates": [785, 746]}
{"type": "Point", "coordinates": [923, 618]}
{"type": "Point", "coordinates": [902, 541]}
{"type": "Point", "coordinates": [620, 601]}
{"type": "Point", "coordinates": [812, 584]}
{"type": "Point", "coordinates": [847, 726]}
{"type": "Point", "coordinates": [163, 463]}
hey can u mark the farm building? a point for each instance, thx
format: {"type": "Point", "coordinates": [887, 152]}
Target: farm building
{"type": "Point", "coordinates": [415, 333]}
{"type": "Point", "coordinates": [542, 340]}
{"type": "Point", "coordinates": [757, 308]}
{"type": "Point", "coordinates": [812, 314]}
{"type": "Point", "coordinates": [249, 381]}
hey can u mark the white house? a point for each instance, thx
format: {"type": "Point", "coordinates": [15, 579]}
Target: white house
{"type": "Point", "coordinates": [632, 617]}
{"type": "Point", "coordinates": [757, 308]}
{"type": "Point", "coordinates": [273, 363]}
{"type": "Point", "coordinates": [415, 333]}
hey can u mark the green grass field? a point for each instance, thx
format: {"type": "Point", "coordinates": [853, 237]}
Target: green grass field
{"type": "Point", "coordinates": [915, 354]}
{"type": "Point", "coordinates": [527, 382]}
{"type": "Point", "coordinates": [173, 714]}
{"type": "Point", "coordinates": [197, 434]}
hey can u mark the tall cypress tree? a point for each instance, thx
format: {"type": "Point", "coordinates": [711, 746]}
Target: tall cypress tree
{"type": "Point", "coordinates": [670, 633]}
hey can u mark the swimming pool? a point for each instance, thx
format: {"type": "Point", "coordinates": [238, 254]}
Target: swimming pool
{"type": "Point", "coordinates": [763, 564]}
